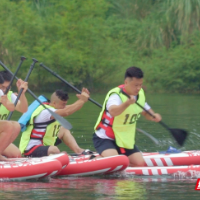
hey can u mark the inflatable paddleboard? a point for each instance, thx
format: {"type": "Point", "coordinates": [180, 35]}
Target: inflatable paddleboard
{"type": "Point", "coordinates": [174, 159]}
{"type": "Point", "coordinates": [95, 166]}
{"type": "Point", "coordinates": [32, 168]}
{"type": "Point", "coordinates": [190, 170]}
{"type": "Point", "coordinates": [162, 159]}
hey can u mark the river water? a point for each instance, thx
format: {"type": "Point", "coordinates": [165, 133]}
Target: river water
{"type": "Point", "coordinates": [177, 110]}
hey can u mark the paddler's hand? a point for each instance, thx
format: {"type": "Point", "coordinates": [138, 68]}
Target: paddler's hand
{"type": "Point", "coordinates": [4, 100]}
{"type": "Point", "coordinates": [22, 84]}
{"type": "Point", "coordinates": [84, 96]}
{"type": "Point", "coordinates": [131, 100]}
{"type": "Point", "coordinates": [157, 117]}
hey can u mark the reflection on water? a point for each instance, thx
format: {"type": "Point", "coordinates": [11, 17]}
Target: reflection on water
{"type": "Point", "coordinates": [178, 111]}
{"type": "Point", "coordinates": [101, 189]}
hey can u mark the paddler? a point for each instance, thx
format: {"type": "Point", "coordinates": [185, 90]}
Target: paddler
{"type": "Point", "coordinates": [116, 125]}
{"type": "Point", "coordinates": [9, 130]}
{"type": "Point", "coordinates": [43, 133]}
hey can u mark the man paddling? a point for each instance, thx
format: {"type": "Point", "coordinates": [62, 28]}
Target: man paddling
{"type": "Point", "coordinates": [115, 128]}
{"type": "Point", "coordinates": [44, 133]}
{"type": "Point", "coordinates": [9, 130]}
{"type": "Point", "coordinates": [22, 104]}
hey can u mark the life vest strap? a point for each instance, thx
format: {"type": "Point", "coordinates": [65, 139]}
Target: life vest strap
{"type": "Point", "coordinates": [108, 128]}
{"type": "Point", "coordinates": [103, 122]}
{"type": "Point", "coordinates": [38, 132]}
{"type": "Point", "coordinates": [35, 125]}
{"type": "Point", "coordinates": [33, 136]}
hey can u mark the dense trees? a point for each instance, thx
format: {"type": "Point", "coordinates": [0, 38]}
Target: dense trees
{"type": "Point", "coordinates": [88, 42]}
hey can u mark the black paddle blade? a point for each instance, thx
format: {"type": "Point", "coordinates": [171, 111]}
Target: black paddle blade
{"type": "Point", "coordinates": [179, 135]}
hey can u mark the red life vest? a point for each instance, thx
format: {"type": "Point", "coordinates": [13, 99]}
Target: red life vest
{"type": "Point", "coordinates": [108, 126]}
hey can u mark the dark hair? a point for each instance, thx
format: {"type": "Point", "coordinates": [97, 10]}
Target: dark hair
{"type": "Point", "coordinates": [6, 75]}
{"type": "Point", "coordinates": [134, 72]}
{"type": "Point", "coordinates": [1, 79]}
{"type": "Point", "coordinates": [62, 95]}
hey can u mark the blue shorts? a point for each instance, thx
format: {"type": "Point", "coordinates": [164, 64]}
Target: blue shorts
{"type": "Point", "coordinates": [104, 144]}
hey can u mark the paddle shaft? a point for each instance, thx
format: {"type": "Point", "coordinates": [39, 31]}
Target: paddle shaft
{"type": "Point", "coordinates": [96, 103]}
{"type": "Point", "coordinates": [70, 85]}
{"type": "Point", "coordinates": [148, 135]}
{"type": "Point", "coordinates": [30, 92]}
{"type": "Point", "coordinates": [60, 119]}
{"type": "Point", "coordinates": [180, 137]}
{"type": "Point", "coordinates": [12, 79]}
{"type": "Point", "coordinates": [21, 90]}
{"type": "Point", "coordinates": [162, 123]}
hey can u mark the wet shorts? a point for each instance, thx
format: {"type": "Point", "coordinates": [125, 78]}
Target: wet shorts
{"type": "Point", "coordinates": [40, 150]}
{"type": "Point", "coordinates": [104, 144]}
{"type": "Point", "coordinates": [58, 141]}
{"type": "Point", "coordinates": [37, 151]}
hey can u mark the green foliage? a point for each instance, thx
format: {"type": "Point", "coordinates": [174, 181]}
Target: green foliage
{"type": "Point", "coordinates": [88, 42]}
{"type": "Point", "coordinates": [176, 69]}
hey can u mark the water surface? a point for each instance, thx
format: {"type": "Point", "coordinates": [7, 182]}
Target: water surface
{"type": "Point", "coordinates": [178, 111]}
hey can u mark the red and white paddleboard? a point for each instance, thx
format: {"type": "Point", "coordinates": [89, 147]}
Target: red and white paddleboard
{"type": "Point", "coordinates": [149, 171]}
{"type": "Point", "coordinates": [95, 166]}
{"type": "Point", "coordinates": [168, 159]}
{"type": "Point", "coordinates": [156, 153]}
{"type": "Point", "coordinates": [173, 159]}
{"type": "Point", "coordinates": [63, 158]}
{"type": "Point", "coordinates": [32, 168]}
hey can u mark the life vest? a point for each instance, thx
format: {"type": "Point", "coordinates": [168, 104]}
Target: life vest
{"type": "Point", "coordinates": [122, 127]}
{"type": "Point", "coordinates": [4, 112]}
{"type": "Point", "coordinates": [47, 137]}
{"type": "Point", "coordinates": [24, 119]}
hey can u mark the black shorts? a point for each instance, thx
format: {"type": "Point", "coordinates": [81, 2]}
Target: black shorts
{"type": "Point", "coordinates": [40, 150]}
{"type": "Point", "coordinates": [103, 144]}
{"type": "Point", "coordinates": [37, 151]}
{"type": "Point", "coordinates": [58, 141]}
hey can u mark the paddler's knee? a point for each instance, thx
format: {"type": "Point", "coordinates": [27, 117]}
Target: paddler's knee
{"type": "Point", "coordinates": [139, 163]}
{"type": "Point", "coordinates": [53, 150]}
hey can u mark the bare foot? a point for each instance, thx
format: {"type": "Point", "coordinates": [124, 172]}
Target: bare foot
{"type": "Point", "coordinates": [3, 158]}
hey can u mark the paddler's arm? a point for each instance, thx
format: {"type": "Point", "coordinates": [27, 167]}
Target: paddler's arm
{"type": "Point", "coordinates": [70, 109]}
{"type": "Point", "coordinates": [9, 105]}
{"type": "Point", "coordinates": [22, 104]}
{"type": "Point", "coordinates": [116, 110]}
{"type": "Point", "coordinates": [150, 118]}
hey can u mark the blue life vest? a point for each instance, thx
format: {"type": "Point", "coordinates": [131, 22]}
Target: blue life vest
{"type": "Point", "coordinates": [24, 119]}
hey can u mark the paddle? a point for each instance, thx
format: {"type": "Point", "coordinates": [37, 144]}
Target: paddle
{"type": "Point", "coordinates": [21, 90]}
{"type": "Point", "coordinates": [96, 103]}
{"type": "Point", "coordinates": [74, 88]}
{"type": "Point", "coordinates": [12, 79]}
{"type": "Point", "coordinates": [148, 135]}
{"type": "Point", "coordinates": [60, 119]}
{"type": "Point", "coordinates": [63, 122]}
{"type": "Point", "coordinates": [179, 134]}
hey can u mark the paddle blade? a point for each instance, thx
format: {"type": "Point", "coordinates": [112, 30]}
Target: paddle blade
{"type": "Point", "coordinates": [179, 135]}
{"type": "Point", "coordinates": [63, 122]}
